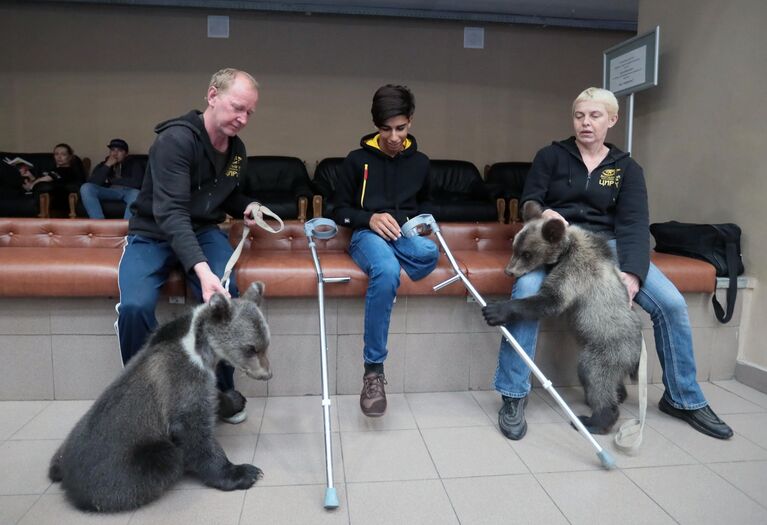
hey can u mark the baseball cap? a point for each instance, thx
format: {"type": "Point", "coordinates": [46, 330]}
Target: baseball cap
{"type": "Point", "coordinates": [118, 143]}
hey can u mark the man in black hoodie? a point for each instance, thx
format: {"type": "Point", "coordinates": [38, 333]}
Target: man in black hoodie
{"type": "Point", "coordinates": [192, 181]}
{"type": "Point", "coordinates": [382, 186]}
{"type": "Point", "coordinates": [117, 178]}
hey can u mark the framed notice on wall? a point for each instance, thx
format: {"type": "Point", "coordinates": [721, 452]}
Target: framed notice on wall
{"type": "Point", "coordinates": [632, 65]}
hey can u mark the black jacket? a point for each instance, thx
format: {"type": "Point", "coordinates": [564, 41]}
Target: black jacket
{"type": "Point", "coordinates": [397, 185]}
{"type": "Point", "coordinates": [182, 194]}
{"type": "Point", "coordinates": [129, 173]}
{"type": "Point", "coordinates": [612, 200]}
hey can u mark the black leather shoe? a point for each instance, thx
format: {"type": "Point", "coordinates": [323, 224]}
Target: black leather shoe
{"type": "Point", "coordinates": [702, 419]}
{"type": "Point", "coordinates": [511, 417]}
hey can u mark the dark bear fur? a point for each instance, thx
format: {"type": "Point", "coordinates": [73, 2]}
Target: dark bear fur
{"type": "Point", "coordinates": [583, 283]}
{"type": "Point", "coordinates": [155, 422]}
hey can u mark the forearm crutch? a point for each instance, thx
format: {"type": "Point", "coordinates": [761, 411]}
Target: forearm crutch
{"type": "Point", "coordinates": [324, 229]}
{"type": "Point", "coordinates": [425, 224]}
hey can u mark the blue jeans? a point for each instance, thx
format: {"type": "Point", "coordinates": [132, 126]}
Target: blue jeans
{"type": "Point", "coordinates": [381, 261]}
{"type": "Point", "coordinates": [93, 194]}
{"type": "Point", "coordinates": [673, 340]}
{"type": "Point", "coordinates": [144, 268]}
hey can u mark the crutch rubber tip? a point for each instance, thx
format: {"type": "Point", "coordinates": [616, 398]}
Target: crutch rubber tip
{"type": "Point", "coordinates": [331, 498]}
{"type": "Point", "coordinates": [607, 460]}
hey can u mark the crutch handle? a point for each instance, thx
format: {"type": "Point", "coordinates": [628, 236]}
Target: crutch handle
{"type": "Point", "coordinates": [321, 228]}
{"type": "Point", "coordinates": [422, 224]}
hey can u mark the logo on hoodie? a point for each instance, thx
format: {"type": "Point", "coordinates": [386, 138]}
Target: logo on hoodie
{"type": "Point", "coordinates": [234, 168]}
{"type": "Point", "coordinates": [610, 177]}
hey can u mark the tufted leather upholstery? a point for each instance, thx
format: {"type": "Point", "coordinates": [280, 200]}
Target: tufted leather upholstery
{"type": "Point", "coordinates": [80, 258]}
{"type": "Point", "coordinates": [65, 258]}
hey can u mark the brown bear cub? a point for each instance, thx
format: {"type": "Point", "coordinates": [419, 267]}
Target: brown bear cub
{"type": "Point", "coordinates": [584, 284]}
{"type": "Point", "coordinates": [155, 422]}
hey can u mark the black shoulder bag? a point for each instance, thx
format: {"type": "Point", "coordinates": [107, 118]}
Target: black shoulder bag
{"type": "Point", "coordinates": [717, 244]}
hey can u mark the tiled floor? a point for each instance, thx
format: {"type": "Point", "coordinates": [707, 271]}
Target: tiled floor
{"type": "Point", "coordinates": [434, 458]}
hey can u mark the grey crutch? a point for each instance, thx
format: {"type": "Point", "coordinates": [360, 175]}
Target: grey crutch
{"type": "Point", "coordinates": [324, 229]}
{"type": "Point", "coordinates": [425, 224]}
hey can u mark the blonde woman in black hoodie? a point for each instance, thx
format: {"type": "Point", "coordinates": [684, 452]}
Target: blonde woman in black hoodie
{"type": "Point", "coordinates": [383, 184]}
{"type": "Point", "coordinates": [589, 182]}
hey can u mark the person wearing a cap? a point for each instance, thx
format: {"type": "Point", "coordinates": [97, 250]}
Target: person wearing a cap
{"type": "Point", "coordinates": [192, 182]}
{"type": "Point", "coordinates": [117, 178]}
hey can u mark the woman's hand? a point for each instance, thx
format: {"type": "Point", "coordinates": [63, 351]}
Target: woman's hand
{"type": "Point", "coordinates": [631, 282]}
{"type": "Point", "coordinates": [386, 226]}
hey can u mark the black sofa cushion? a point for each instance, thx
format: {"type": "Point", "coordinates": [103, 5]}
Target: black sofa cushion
{"type": "Point", "coordinates": [458, 193]}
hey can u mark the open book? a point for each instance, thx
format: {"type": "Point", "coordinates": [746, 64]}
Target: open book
{"type": "Point", "coordinates": [16, 161]}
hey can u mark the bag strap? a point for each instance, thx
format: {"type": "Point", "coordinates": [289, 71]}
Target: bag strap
{"type": "Point", "coordinates": [629, 435]}
{"type": "Point", "coordinates": [732, 290]}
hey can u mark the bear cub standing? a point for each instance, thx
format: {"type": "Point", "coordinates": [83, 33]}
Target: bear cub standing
{"type": "Point", "coordinates": [155, 422]}
{"type": "Point", "coordinates": [585, 284]}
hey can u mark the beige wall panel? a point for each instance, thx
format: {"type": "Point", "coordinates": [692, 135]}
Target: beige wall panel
{"type": "Point", "coordinates": [701, 134]}
{"type": "Point", "coordinates": [84, 74]}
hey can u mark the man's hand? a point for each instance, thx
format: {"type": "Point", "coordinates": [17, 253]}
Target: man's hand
{"type": "Point", "coordinates": [551, 214]}
{"type": "Point", "coordinates": [251, 212]}
{"type": "Point", "coordinates": [386, 226]}
{"type": "Point", "coordinates": [209, 281]}
{"type": "Point", "coordinates": [631, 282]}
{"type": "Point", "coordinates": [111, 159]}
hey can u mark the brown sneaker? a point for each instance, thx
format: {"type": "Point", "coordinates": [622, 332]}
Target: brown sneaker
{"type": "Point", "coordinates": [373, 396]}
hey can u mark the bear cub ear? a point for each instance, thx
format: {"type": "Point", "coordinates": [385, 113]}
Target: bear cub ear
{"type": "Point", "coordinates": [553, 230]}
{"type": "Point", "coordinates": [255, 293]}
{"type": "Point", "coordinates": [220, 307]}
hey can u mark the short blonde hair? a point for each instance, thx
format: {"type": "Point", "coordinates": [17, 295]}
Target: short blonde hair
{"type": "Point", "coordinates": [602, 96]}
{"type": "Point", "coordinates": [223, 78]}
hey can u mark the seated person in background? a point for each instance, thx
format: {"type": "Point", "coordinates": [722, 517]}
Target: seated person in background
{"type": "Point", "coordinates": [585, 181]}
{"type": "Point", "coordinates": [118, 178]}
{"type": "Point", "coordinates": [64, 178]}
{"type": "Point", "coordinates": [382, 185]}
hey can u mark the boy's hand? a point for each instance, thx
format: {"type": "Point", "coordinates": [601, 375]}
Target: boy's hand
{"type": "Point", "coordinates": [386, 226]}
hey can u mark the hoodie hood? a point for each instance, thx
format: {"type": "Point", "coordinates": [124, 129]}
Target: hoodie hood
{"type": "Point", "coordinates": [614, 155]}
{"type": "Point", "coordinates": [370, 143]}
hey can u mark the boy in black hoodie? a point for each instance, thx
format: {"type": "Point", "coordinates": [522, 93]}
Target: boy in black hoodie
{"type": "Point", "coordinates": [382, 186]}
{"type": "Point", "coordinates": [192, 181]}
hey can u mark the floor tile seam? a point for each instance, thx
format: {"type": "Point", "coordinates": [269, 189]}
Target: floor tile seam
{"type": "Point", "coordinates": [42, 409]}
{"type": "Point", "coordinates": [34, 439]}
{"type": "Point", "coordinates": [708, 467]}
{"type": "Point", "coordinates": [449, 499]}
{"type": "Point", "coordinates": [39, 497]}
{"type": "Point", "coordinates": [742, 436]}
{"type": "Point", "coordinates": [763, 407]}
{"type": "Point", "coordinates": [649, 496]}
{"type": "Point", "coordinates": [551, 498]}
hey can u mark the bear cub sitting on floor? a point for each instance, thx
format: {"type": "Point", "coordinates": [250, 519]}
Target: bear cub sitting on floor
{"type": "Point", "coordinates": [585, 284]}
{"type": "Point", "coordinates": [155, 422]}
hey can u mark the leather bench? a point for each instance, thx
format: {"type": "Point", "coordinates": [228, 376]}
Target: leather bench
{"type": "Point", "coordinates": [65, 258]}
{"type": "Point", "coordinates": [283, 261]}
{"type": "Point", "coordinates": [80, 258]}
